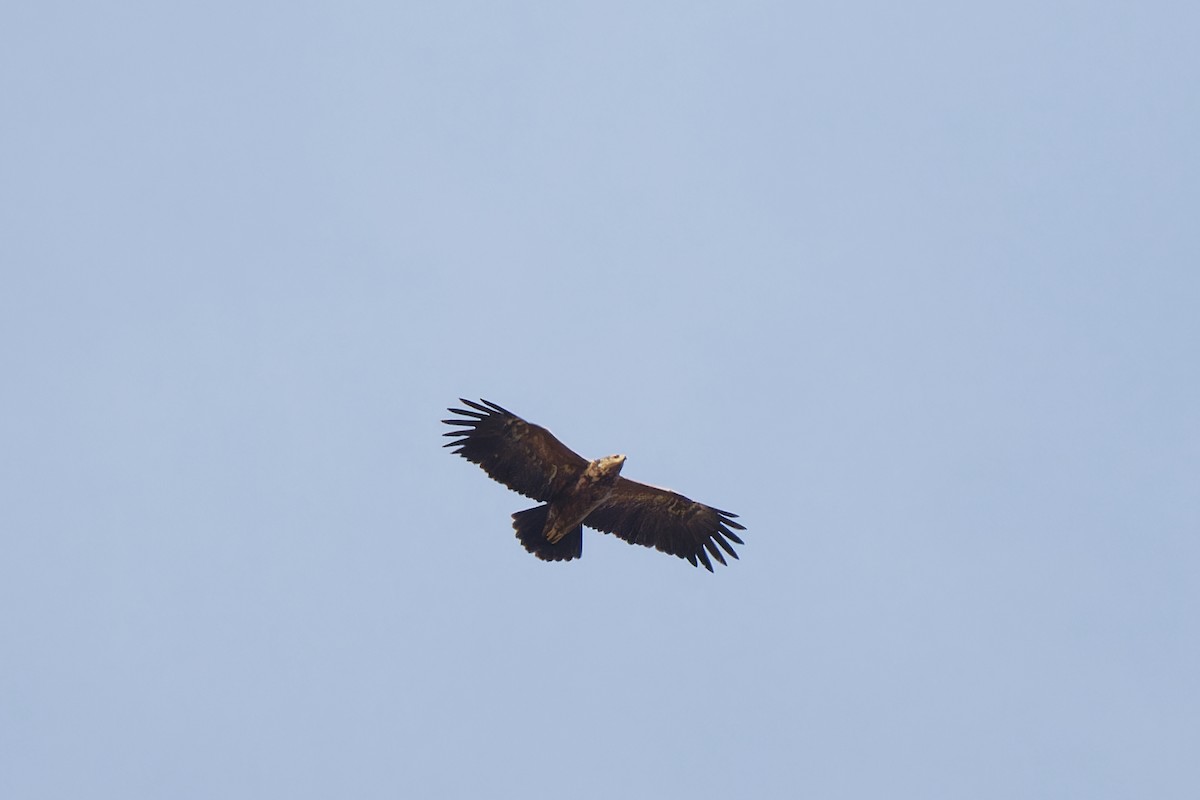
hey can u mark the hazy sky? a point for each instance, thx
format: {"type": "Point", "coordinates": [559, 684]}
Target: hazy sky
{"type": "Point", "coordinates": [912, 288]}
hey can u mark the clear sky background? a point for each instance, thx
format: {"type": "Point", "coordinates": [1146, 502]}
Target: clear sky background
{"type": "Point", "coordinates": [913, 288]}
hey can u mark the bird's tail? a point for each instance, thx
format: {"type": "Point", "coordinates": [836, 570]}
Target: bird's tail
{"type": "Point", "coordinates": [530, 525]}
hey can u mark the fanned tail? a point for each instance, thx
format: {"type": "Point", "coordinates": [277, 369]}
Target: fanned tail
{"type": "Point", "coordinates": [530, 525]}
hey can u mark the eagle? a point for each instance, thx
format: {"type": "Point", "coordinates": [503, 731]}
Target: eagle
{"type": "Point", "coordinates": [576, 492]}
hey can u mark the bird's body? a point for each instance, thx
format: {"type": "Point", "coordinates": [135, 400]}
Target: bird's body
{"type": "Point", "coordinates": [576, 492]}
{"type": "Point", "coordinates": [594, 486]}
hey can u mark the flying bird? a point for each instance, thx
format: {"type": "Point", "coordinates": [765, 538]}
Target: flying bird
{"type": "Point", "coordinates": [576, 492]}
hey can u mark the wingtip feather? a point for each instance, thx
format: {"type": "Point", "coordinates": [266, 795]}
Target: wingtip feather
{"type": "Point", "coordinates": [487, 412]}
{"type": "Point", "coordinates": [726, 546]}
{"type": "Point", "coordinates": [712, 549]}
{"type": "Point", "coordinates": [499, 408]}
{"type": "Point", "coordinates": [475, 416]}
{"type": "Point", "coordinates": [726, 532]}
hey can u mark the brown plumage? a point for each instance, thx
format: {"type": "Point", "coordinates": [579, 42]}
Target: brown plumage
{"type": "Point", "coordinates": [577, 492]}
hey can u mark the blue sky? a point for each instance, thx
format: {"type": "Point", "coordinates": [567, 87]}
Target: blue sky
{"type": "Point", "coordinates": [912, 289]}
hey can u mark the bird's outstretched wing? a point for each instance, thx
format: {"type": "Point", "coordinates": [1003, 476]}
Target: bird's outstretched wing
{"type": "Point", "coordinates": [524, 457]}
{"type": "Point", "coordinates": [667, 521]}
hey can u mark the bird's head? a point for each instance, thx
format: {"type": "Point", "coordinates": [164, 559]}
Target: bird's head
{"type": "Point", "coordinates": [605, 470]}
